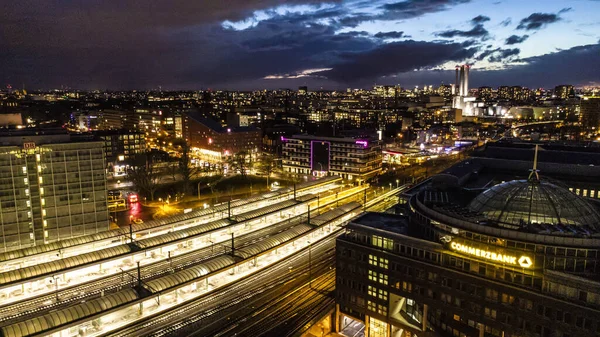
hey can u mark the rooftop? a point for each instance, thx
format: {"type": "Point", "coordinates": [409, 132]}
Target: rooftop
{"type": "Point", "coordinates": [384, 221]}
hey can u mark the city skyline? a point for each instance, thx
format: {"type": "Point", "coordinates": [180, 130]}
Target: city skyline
{"type": "Point", "coordinates": [244, 45]}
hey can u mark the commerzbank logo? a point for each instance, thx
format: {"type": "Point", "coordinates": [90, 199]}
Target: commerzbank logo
{"type": "Point", "coordinates": [521, 261]}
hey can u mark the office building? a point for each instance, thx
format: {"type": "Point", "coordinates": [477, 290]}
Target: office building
{"type": "Point", "coordinates": [485, 93]}
{"type": "Point", "coordinates": [349, 158]}
{"type": "Point", "coordinates": [564, 91]}
{"type": "Point", "coordinates": [207, 134]}
{"type": "Point", "coordinates": [590, 113]}
{"type": "Point", "coordinates": [487, 248]}
{"type": "Point", "coordinates": [504, 92]}
{"type": "Point", "coordinates": [52, 188]}
{"type": "Point", "coordinates": [121, 148]}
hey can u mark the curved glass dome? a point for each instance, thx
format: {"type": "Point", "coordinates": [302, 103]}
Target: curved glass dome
{"type": "Point", "coordinates": [520, 202]}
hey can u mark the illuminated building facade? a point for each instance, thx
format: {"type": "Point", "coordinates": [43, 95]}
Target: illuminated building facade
{"type": "Point", "coordinates": [519, 258]}
{"type": "Point", "coordinates": [121, 148]}
{"type": "Point", "coordinates": [504, 92]}
{"type": "Point", "coordinates": [590, 113]}
{"type": "Point", "coordinates": [51, 189]}
{"type": "Point", "coordinates": [349, 158]}
{"type": "Point", "coordinates": [485, 93]}
{"type": "Point", "coordinates": [564, 91]}
{"type": "Point", "coordinates": [207, 134]}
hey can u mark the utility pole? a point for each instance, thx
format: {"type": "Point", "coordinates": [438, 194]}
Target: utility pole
{"type": "Point", "coordinates": [308, 214]}
{"type": "Point", "coordinates": [56, 287]}
{"type": "Point", "coordinates": [232, 246]}
{"type": "Point", "coordinates": [294, 191]}
{"type": "Point", "coordinates": [139, 275]}
{"type": "Point", "coordinates": [229, 209]}
{"type": "Point", "coordinates": [309, 265]}
{"type": "Point", "coordinates": [130, 232]}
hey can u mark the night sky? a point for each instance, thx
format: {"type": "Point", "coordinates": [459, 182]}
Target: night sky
{"type": "Point", "coordinates": [256, 44]}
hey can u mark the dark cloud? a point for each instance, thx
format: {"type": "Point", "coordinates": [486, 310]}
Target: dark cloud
{"type": "Point", "coordinates": [393, 58]}
{"type": "Point", "coordinates": [504, 55]}
{"type": "Point", "coordinates": [415, 8]}
{"type": "Point", "coordinates": [477, 31]}
{"type": "Point", "coordinates": [565, 10]}
{"type": "Point", "coordinates": [480, 19]}
{"type": "Point", "coordinates": [182, 44]}
{"type": "Point", "coordinates": [583, 69]}
{"type": "Point", "coordinates": [538, 20]}
{"type": "Point", "coordinates": [506, 22]}
{"type": "Point", "coordinates": [498, 54]}
{"type": "Point", "coordinates": [389, 35]}
{"type": "Point", "coordinates": [401, 10]}
{"type": "Point", "coordinates": [515, 39]}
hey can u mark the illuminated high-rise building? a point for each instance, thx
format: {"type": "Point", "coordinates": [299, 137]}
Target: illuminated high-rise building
{"type": "Point", "coordinates": [590, 113]}
{"type": "Point", "coordinates": [51, 189]}
{"type": "Point", "coordinates": [564, 91]}
{"type": "Point", "coordinates": [503, 92]}
{"type": "Point", "coordinates": [484, 93]}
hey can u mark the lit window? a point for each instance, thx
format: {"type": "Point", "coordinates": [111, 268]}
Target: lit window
{"type": "Point", "coordinates": [381, 242]}
{"type": "Point", "coordinates": [24, 170]}
{"type": "Point", "coordinates": [372, 291]}
{"type": "Point", "coordinates": [41, 180]}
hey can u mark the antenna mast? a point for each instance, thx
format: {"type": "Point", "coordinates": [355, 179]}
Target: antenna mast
{"type": "Point", "coordinates": [535, 170]}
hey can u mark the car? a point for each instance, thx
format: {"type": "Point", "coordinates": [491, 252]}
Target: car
{"type": "Point", "coordinates": [133, 198]}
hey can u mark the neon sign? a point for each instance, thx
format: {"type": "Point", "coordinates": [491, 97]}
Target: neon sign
{"type": "Point", "coordinates": [523, 261]}
{"type": "Point", "coordinates": [364, 143]}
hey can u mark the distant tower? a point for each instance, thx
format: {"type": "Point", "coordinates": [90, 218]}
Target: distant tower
{"type": "Point", "coordinates": [466, 80]}
{"type": "Point", "coordinates": [461, 99]}
{"type": "Point", "coordinates": [456, 82]}
{"type": "Point", "coordinates": [461, 86]}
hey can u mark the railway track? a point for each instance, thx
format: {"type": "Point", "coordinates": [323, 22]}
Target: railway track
{"type": "Point", "coordinates": [25, 309]}
{"type": "Point", "coordinates": [199, 312]}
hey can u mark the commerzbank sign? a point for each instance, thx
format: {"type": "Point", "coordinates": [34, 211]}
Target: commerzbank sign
{"type": "Point", "coordinates": [521, 261]}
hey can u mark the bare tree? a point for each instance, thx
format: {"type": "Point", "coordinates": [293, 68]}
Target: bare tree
{"type": "Point", "coordinates": [267, 165]}
{"type": "Point", "coordinates": [145, 177]}
{"type": "Point", "coordinates": [173, 169]}
{"type": "Point", "coordinates": [186, 169]}
{"type": "Point", "coordinates": [239, 163]}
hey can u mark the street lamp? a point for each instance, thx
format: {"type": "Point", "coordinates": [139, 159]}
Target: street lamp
{"type": "Point", "coordinates": [199, 190]}
{"type": "Point", "coordinates": [390, 186]}
{"type": "Point", "coordinates": [397, 182]}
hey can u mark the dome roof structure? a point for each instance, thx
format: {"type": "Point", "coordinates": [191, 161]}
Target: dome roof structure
{"type": "Point", "coordinates": [520, 202]}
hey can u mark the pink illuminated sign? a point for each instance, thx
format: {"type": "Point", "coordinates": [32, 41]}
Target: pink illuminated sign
{"type": "Point", "coordinates": [364, 143]}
